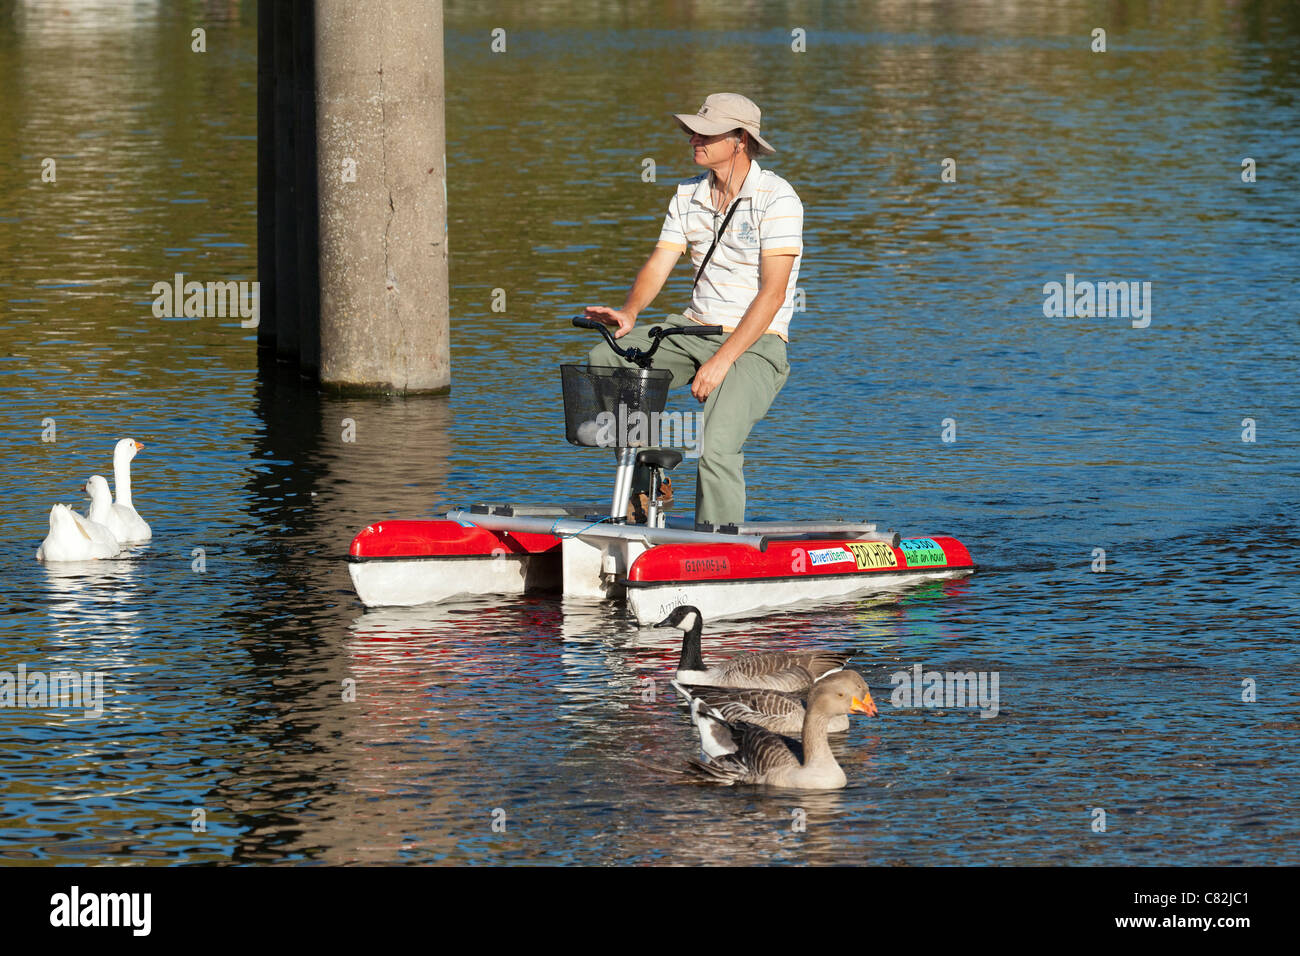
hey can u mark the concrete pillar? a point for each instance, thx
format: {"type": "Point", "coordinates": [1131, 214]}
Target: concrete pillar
{"type": "Point", "coordinates": [286, 185]}
{"type": "Point", "coordinates": [383, 248]}
{"type": "Point", "coordinates": [304, 70]}
{"type": "Point", "coordinates": [266, 173]}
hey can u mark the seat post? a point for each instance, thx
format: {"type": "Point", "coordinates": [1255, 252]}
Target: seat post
{"type": "Point", "coordinates": [652, 509]}
{"type": "Point", "coordinates": [623, 484]}
{"type": "Point", "coordinates": [658, 461]}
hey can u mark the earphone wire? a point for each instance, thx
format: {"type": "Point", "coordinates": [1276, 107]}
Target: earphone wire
{"type": "Point", "coordinates": [727, 191]}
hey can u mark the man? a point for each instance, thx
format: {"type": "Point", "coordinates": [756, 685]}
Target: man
{"type": "Point", "coordinates": [746, 286]}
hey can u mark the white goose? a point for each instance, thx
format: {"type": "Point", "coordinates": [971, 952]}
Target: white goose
{"type": "Point", "coordinates": [123, 521]}
{"type": "Point", "coordinates": [95, 521]}
{"type": "Point", "coordinates": [72, 540]}
{"type": "Point", "coordinates": [745, 753]}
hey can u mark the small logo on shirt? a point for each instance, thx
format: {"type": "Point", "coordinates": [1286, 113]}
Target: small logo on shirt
{"type": "Point", "coordinates": [748, 235]}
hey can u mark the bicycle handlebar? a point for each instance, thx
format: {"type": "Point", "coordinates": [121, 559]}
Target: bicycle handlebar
{"type": "Point", "coordinates": [644, 357]}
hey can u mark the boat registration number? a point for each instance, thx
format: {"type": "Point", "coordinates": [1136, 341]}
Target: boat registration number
{"type": "Point", "coordinates": [699, 567]}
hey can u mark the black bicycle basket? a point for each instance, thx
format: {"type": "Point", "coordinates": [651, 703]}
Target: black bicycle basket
{"type": "Point", "coordinates": [616, 392]}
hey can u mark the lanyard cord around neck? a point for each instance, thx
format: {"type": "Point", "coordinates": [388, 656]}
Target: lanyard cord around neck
{"type": "Point", "coordinates": [709, 255]}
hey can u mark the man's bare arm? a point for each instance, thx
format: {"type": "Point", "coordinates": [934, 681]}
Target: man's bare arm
{"type": "Point", "coordinates": [649, 281]}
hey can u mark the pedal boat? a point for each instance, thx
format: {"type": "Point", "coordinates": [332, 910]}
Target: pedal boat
{"type": "Point", "coordinates": [729, 571]}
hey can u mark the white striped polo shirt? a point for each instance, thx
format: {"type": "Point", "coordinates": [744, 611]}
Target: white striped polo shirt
{"type": "Point", "coordinates": [768, 221]}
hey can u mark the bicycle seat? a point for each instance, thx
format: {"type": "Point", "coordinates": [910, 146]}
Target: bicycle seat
{"type": "Point", "coordinates": [662, 458]}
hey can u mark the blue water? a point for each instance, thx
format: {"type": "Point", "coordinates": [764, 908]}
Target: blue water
{"type": "Point", "coordinates": [1120, 690]}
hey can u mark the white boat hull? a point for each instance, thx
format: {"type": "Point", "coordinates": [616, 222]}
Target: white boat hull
{"type": "Point", "coordinates": [403, 583]}
{"type": "Point", "coordinates": [727, 599]}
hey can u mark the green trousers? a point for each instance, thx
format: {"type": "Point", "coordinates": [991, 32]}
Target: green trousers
{"type": "Point", "coordinates": [730, 412]}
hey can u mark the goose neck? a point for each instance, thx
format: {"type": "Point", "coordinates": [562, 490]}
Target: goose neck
{"type": "Point", "coordinates": [122, 480]}
{"type": "Point", "coordinates": [816, 746]}
{"type": "Point", "coordinates": [692, 658]}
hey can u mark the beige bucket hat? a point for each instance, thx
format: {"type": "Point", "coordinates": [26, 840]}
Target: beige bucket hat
{"type": "Point", "coordinates": [723, 112]}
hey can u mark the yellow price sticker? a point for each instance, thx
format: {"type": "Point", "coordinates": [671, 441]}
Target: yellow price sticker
{"type": "Point", "coordinates": [872, 554]}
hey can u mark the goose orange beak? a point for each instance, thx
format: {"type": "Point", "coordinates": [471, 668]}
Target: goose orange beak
{"type": "Point", "coordinates": [139, 447]}
{"type": "Point", "coordinates": [867, 706]}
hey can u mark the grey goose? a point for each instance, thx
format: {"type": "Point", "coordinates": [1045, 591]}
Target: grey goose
{"type": "Point", "coordinates": [774, 710]}
{"type": "Point", "coordinates": [762, 757]}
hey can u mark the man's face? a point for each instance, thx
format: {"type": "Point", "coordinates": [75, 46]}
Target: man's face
{"type": "Point", "coordinates": [712, 150]}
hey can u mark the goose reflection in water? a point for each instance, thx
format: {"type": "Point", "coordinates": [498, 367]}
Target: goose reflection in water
{"type": "Point", "coordinates": [93, 601]}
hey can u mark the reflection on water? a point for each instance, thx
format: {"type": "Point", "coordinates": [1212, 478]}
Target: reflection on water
{"type": "Point", "coordinates": [91, 600]}
{"type": "Point", "coordinates": [307, 728]}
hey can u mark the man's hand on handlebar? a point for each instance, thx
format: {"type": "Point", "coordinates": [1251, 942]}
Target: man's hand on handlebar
{"type": "Point", "coordinates": [615, 318]}
{"type": "Point", "coordinates": [602, 320]}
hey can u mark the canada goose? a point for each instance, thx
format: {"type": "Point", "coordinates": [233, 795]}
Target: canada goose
{"type": "Point", "coordinates": [123, 520]}
{"type": "Point", "coordinates": [762, 757]}
{"type": "Point", "coordinates": [775, 670]}
{"type": "Point", "coordinates": [772, 710]}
